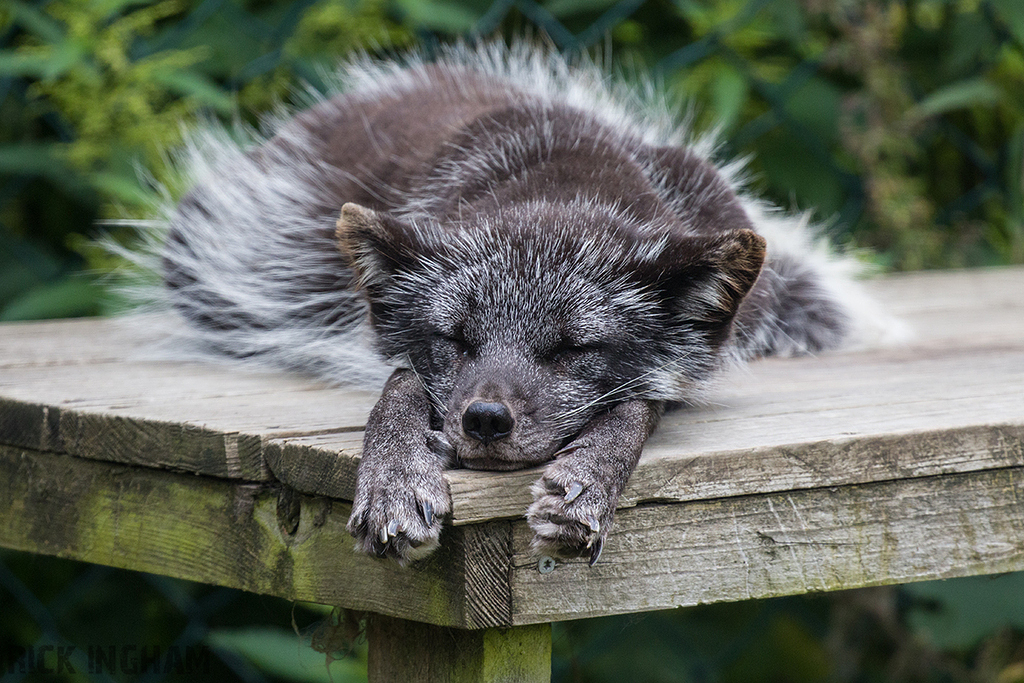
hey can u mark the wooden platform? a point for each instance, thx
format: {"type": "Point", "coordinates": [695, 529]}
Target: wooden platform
{"type": "Point", "coordinates": [852, 469]}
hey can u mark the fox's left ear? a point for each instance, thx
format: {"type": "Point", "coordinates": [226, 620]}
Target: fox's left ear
{"type": "Point", "coordinates": [707, 277]}
{"type": "Point", "coordinates": [374, 243]}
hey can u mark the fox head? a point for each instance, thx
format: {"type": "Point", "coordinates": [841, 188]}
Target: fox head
{"type": "Point", "coordinates": [525, 323]}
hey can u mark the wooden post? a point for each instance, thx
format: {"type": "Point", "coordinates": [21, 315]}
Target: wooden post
{"type": "Point", "coordinates": [413, 652]}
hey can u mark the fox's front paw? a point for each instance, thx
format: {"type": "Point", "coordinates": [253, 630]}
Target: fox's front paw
{"type": "Point", "coordinates": [572, 510]}
{"type": "Point", "coordinates": [398, 514]}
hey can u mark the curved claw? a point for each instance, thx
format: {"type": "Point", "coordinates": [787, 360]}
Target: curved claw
{"type": "Point", "coordinates": [574, 490]}
{"type": "Point", "coordinates": [356, 520]}
{"type": "Point", "coordinates": [595, 550]}
{"type": "Point", "coordinates": [393, 528]}
{"type": "Point", "coordinates": [428, 513]}
{"type": "Point", "coordinates": [595, 526]}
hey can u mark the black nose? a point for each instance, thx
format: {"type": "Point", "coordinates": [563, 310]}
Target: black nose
{"type": "Point", "coordinates": [487, 422]}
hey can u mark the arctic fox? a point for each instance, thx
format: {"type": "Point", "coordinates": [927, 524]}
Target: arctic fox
{"type": "Point", "coordinates": [543, 255]}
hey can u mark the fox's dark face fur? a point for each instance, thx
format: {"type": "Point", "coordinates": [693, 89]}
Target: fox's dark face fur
{"type": "Point", "coordinates": [614, 311]}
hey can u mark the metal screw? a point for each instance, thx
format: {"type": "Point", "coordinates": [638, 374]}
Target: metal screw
{"type": "Point", "coordinates": [546, 565]}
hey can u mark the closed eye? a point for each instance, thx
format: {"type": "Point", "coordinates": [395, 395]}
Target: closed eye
{"type": "Point", "coordinates": [568, 352]}
{"type": "Point", "coordinates": [458, 343]}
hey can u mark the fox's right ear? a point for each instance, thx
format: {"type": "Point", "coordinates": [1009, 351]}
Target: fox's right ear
{"type": "Point", "coordinates": [707, 277]}
{"type": "Point", "coordinates": [374, 243]}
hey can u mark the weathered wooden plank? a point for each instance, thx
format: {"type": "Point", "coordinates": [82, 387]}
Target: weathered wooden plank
{"type": "Point", "coordinates": [259, 538]}
{"type": "Point", "coordinates": [717, 474]}
{"type": "Point", "coordinates": [790, 419]}
{"type": "Point", "coordinates": [255, 538]}
{"type": "Point", "coordinates": [978, 307]}
{"type": "Point", "coordinates": [663, 556]}
{"type": "Point", "coordinates": [181, 416]}
{"type": "Point", "coordinates": [928, 290]}
{"type": "Point", "coordinates": [405, 651]}
{"type": "Point", "coordinates": [270, 540]}
{"type": "Point", "coordinates": [809, 422]}
{"type": "Point", "coordinates": [92, 388]}
{"type": "Point", "coordinates": [323, 465]}
{"type": "Point", "coordinates": [131, 441]}
{"type": "Point", "coordinates": [799, 423]}
{"type": "Point", "coordinates": [114, 438]}
{"type": "Point", "coordinates": [224, 398]}
{"type": "Point", "coordinates": [53, 343]}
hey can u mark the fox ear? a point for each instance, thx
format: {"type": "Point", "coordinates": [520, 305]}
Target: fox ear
{"type": "Point", "coordinates": [374, 244]}
{"type": "Point", "coordinates": [707, 277]}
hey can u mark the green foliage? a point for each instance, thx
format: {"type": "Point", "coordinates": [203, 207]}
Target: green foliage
{"type": "Point", "coordinates": [92, 91]}
{"type": "Point", "coordinates": [85, 71]}
{"type": "Point", "coordinates": [900, 122]}
{"type": "Point", "coordinates": [960, 614]}
{"type": "Point", "coordinates": [287, 656]}
{"type": "Point", "coordinates": [957, 631]}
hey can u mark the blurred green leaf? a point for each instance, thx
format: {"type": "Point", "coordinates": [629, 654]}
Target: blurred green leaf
{"type": "Point", "coordinates": [123, 189]}
{"type": "Point", "coordinates": [730, 91]}
{"type": "Point", "coordinates": [960, 612]}
{"type": "Point", "coordinates": [71, 297]}
{"type": "Point", "coordinates": [35, 22]}
{"type": "Point", "coordinates": [1012, 13]}
{"type": "Point", "coordinates": [284, 654]}
{"type": "Point", "coordinates": [27, 158]}
{"type": "Point", "coordinates": [55, 61]}
{"type": "Point", "coordinates": [20, 64]}
{"type": "Point", "coordinates": [108, 8]}
{"type": "Point", "coordinates": [66, 55]}
{"type": "Point", "coordinates": [568, 8]}
{"type": "Point", "coordinates": [439, 15]}
{"type": "Point", "coordinates": [45, 160]}
{"type": "Point", "coordinates": [195, 85]}
{"type": "Point", "coordinates": [975, 92]}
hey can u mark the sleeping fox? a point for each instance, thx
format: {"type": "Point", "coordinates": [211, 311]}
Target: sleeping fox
{"type": "Point", "coordinates": [542, 259]}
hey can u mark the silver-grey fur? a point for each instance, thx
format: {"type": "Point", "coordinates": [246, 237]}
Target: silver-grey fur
{"type": "Point", "coordinates": [578, 314]}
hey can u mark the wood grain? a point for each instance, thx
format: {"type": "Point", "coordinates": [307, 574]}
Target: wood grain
{"type": "Point", "coordinates": [232, 534]}
{"type": "Point", "coordinates": [948, 401]}
{"type": "Point", "coordinates": [851, 469]}
{"type": "Point", "coordinates": [663, 556]}
{"type": "Point", "coordinates": [657, 556]}
{"type": "Point", "coordinates": [405, 651]}
{"type": "Point", "coordinates": [978, 307]}
{"type": "Point", "coordinates": [801, 423]}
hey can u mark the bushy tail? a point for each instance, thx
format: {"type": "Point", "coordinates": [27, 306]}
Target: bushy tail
{"type": "Point", "coordinates": [807, 298]}
{"type": "Point", "coordinates": [248, 259]}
